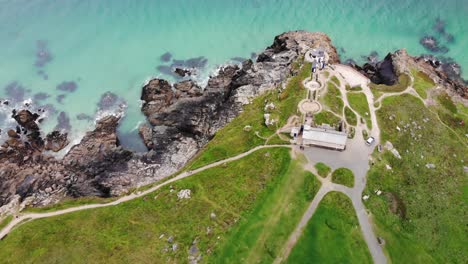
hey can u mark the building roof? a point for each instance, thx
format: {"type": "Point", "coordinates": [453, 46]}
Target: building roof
{"type": "Point", "coordinates": [317, 53]}
{"type": "Point", "coordinates": [325, 136]}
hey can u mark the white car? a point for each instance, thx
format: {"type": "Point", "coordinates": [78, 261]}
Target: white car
{"type": "Point", "coordinates": [370, 140]}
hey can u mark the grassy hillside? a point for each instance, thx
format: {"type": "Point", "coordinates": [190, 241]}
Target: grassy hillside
{"type": "Point", "coordinates": [260, 236]}
{"type": "Point", "coordinates": [332, 99]}
{"type": "Point", "coordinates": [332, 235]}
{"type": "Point", "coordinates": [358, 102]}
{"type": "Point", "coordinates": [234, 139]}
{"type": "Point", "coordinates": [140, 231]}
{"type": "Point", "coordinates": [343, 176]}
{"type": "Point", "coordinates": [422, 211]}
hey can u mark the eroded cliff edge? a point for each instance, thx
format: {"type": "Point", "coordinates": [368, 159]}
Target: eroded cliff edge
{"type": "Point", "coordinates": [182, 118]}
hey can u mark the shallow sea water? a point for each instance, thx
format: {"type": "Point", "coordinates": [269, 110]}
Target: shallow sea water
{"type": "Point", "coordinates": [115, 46]}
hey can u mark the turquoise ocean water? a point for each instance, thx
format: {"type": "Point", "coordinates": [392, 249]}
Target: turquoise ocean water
{"type": "Point", "coordinates": [104, 45]}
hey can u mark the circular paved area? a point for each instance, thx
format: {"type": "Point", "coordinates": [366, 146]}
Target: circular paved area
{"type": "Point", "coordinates": [307, 106]}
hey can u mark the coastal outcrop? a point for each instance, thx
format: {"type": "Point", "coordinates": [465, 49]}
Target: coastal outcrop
{"type": "Point", "coordinates": [445, 72]}
{"type": "Point", "coordinates": [182, 118]}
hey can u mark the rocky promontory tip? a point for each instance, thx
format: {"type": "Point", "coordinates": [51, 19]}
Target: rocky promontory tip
{"type": "Point", "coordinates": [181, 118]}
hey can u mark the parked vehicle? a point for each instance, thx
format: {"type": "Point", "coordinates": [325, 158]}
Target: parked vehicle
{"type": "Point", "coordinates": [370, 141]}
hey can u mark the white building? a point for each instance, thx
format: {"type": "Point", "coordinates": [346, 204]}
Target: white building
{"type": "Point", "coordinates": [326, 138]}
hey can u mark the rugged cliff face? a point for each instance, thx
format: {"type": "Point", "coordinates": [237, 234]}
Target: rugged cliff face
{"type": "Point", "coordinates": [446, 73]}
{"type": "Point", "coordinates": [182, 118]}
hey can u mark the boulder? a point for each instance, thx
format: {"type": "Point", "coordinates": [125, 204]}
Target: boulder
{"type": "Point", "coordinates": [56, 141]}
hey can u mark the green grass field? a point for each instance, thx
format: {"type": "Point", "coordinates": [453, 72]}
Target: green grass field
{"type": "Point", "coordinates": [5, 221]}
{"type": "Point", "coordinates": [358, 102]}
{"type": "Point", "coordinates": [453, 116]}
{"type": "Point", "coordinates": [351, 117]}
{"type": "Point", "coordinates": [353, 88]}
{"type": "Point", "coordinates": [335, 80]}
{"type": "Point", "coordinates": [332, 99]}
{"type": "Point", "coordinates": [326, 117]}
{"type": "Point", "coordinates": [343, 176]}
{"type": "Point", "coordinates": [422, 212]}
{"type": "Point", "coordinates": [260, 236]}
{"type": "Point", "coordinates": [322, 169]}
{"type": "Point", "coordinates": [132, 232]}
{"type": "Point", "coordinates": [233, 139]}
{"type": "Point", "coordinates": [332, 235]}
{"type": "Point", "coordinates": [421, 83]}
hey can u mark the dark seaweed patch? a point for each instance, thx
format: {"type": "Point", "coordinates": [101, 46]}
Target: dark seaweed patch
{"type": "Point", "coordinates": [67, 86]}
{"type": "Point", "coordinates": [63, 122]}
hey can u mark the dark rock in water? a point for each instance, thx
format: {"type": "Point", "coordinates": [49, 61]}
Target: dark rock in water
{"type": "Point", "coordinates": [43, 74]}
{"type": "Point", "coordinates": [381, 72]}
{"type": "Point", "coordinates": [67, 86]}
{"type": "Point", "coordinates": [60, 98]}
{"type": "Point", "coordinates": [350, 62]}
{"type": "Point", "coordinates": [450, 38]}
{"type": "Point", "coordinates": [63, 122]}
{"type": "Point", "coordinates": [108, 100]}
{"type": "Point", "coordinates": [83, 116]}
{"type": "Point", "coordinates": [452, 69]}
{"type": "Point", "coordinates": [49, 108]}
{"type": "Point", "coordinates": [342, 50]}
{"type": "Point", "coordinates": [40, 96]}
{"type": "Point", "coordinates": [264, 58]}
{"type": "Point", "coordinates": [439, 26]}
{"type": "Point", "coordinates": [238, 59]}
{"type": "Point", "coordinates": [13, 134]}
{"type": "Point", "coordinates": [431, 44]}
{"type": "Point", "coordinates": [111, 102]}
{"type": "Point", "coordinates": [15, 91]}
{"type": "Point", "coordinates": [43, 55]}
{"type": "Point", "coordinates": [197, 63]}
{"type": "Point", "coordinates": [27, 120]}
{"type": "Point", "coordinates": [56, 141]}
{"type": "Point", "coordinates": [183, 117]}
{"type": "Point", "coordinates": [183, 72]}
{"type": "Point", "coordinates": [166, 57]}
{"type": "Point", "coordinates": [373, 57]}
{"type": "Point", "coordinates": [165, 70]}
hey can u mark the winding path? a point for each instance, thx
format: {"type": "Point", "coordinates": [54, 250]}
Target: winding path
{"type": "Point", "coordinates": [353, 158]}
{"type": "Point", "coordinates": [31, 216]}
{"type": "Point", "coordinates": [356, 158]}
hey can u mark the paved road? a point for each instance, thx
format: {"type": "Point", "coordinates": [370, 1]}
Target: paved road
{"type": "Point", "coordinates": [356, 158]}
{"type": "Point", "coordinates": [31, 216]}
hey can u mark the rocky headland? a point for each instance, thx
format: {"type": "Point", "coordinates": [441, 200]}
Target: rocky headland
{"type": "Point", "coordinates": [182, 117]}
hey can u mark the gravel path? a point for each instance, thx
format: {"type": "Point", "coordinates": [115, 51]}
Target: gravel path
{"type": "Point", "coordinates": [31, 216]}
{"type": "Point", "coordinates": [356, 158]}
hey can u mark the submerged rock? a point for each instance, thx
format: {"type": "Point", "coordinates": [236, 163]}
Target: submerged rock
{"type": "Point", "coordinates": [182, 72]}
{"type": "Point", "coordinates": [67, 87]}
{"type": "Point", "coordinates": [166, 57]}
{"type": "Point", "coordinates": [431, 44]}
{"type": "Point", "coordinates": [56, 141]}
{"type": "Point", "coordinates": [43, 55]}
